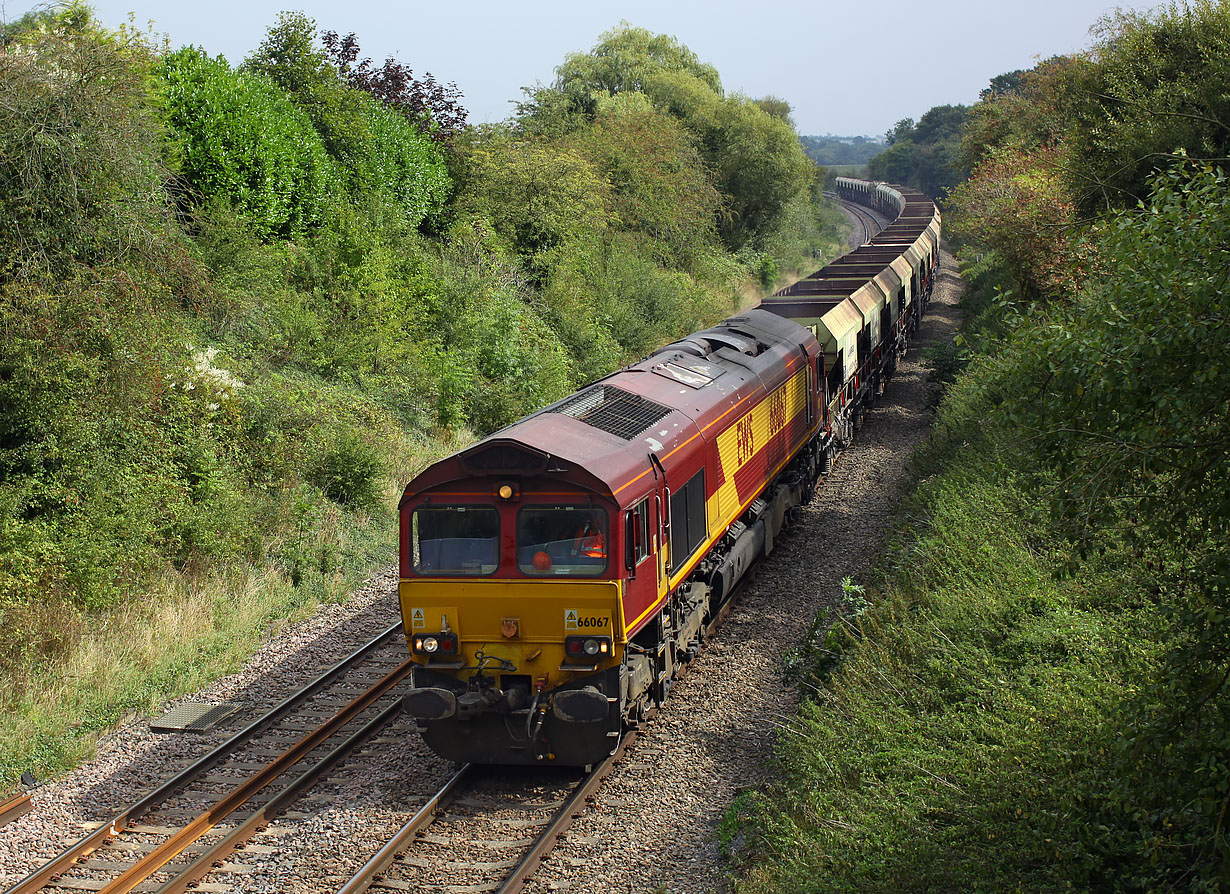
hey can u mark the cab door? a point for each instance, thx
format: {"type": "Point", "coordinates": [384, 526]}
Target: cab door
{"type": "Point", "coordinates": [662, 513]}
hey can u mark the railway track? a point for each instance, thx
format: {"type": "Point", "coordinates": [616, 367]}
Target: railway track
{"type": "Point", "coordinates": [184, 829]}
{"type": "Point", "coordinates": [486, 830]}
{"type": "Point", "coordinates": [511, 818]}
{"type": "Point", "coordinates": [868, 223]}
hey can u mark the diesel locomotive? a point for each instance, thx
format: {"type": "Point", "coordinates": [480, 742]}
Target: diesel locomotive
{"type": "Point", "coordinates": [556, 575]}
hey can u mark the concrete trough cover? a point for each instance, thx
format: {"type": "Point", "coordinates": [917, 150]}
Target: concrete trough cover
{"type": "Point", "coordinates": [197, 717]}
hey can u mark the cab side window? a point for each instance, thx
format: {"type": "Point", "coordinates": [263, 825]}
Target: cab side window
{"type": "Point", "coordinates": [636, 535]}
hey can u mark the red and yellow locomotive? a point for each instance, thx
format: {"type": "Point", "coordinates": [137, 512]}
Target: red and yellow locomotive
{"type": "Point", "coordinates": [555, 575]}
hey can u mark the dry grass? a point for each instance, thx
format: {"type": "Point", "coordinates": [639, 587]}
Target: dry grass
{"type": "Point", "coordinates": [107, 668]}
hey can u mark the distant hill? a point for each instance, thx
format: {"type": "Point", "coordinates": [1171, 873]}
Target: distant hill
{"type": "Point", "coordinates": [830, 149]}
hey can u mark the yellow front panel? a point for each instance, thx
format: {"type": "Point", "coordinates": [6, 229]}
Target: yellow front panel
{"type": "Point", "coordinates": [543, 609]}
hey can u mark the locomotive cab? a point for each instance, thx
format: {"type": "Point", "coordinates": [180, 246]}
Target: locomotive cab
{"type": "Point", "coordinates": [510, 595]}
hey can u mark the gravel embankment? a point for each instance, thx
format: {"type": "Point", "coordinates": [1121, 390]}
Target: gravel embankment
{"type": "Point", "coordinates": [654, 822]}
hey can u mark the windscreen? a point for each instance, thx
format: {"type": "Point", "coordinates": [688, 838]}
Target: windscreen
{"type": "Point", "coordinates": [562, 541]}
{"type": "Point", "coordinates": [455, 540]}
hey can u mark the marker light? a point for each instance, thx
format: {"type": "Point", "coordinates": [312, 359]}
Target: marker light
{"type": "Point", "coordinates": [433, 643]}
{"type": "Point", "coordinates": [587, 647]}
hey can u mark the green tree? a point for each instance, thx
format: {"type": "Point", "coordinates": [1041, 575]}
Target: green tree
{"type": "Point", "coordinates": [242, 140]}
{"type": "Point", "coordinates": [777, 107]}
{"type": "Point", "coordinates": [925, 155]}
{"type": "Point", "coordinates": [382, 150]}
{"type": "Point", "coordinates": [1156, 86]}
{"type": "Point", "coordinates": [627, 59]}
{"type": "Point", "coordinates": [755, 157]}
{"type": "Point", "coordinates": [761, 167]}
{"type": "Point", "coordinates": [538, 197]}
{"type": "Point", "coordinates": [659, 186]}
{"type": "Point", "coordinates": [1015, 203]}
{"type": "Point", "coordinates": [71, 194]}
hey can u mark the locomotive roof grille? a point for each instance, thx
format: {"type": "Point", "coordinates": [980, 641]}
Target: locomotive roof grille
{"type": "Point", "coordinates": [613, 410]}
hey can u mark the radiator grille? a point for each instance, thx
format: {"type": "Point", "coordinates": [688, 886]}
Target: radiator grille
{"type": "Point", "coordinates": [613, 410]}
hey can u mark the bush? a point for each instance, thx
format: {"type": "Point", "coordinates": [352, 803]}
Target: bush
{"type": "Point", "coordinates": [345, 469]}
{"type": "Point", "coordinates": [767, 271]}
{"type": "Point", "coordinates": [384, 155]}
{"type": "Point", "coordinates": [242, 139]}
{"type": "Point", "coordinates": [406, 165]}
{"type": "Point", "coordinates": [81, 166]}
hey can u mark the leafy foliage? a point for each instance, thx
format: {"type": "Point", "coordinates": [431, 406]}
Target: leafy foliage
{"type": "Point", "coordinates": [59, 204]}
{"type": "Point", "coordinates": [925, 155]}
{"type": "Point", "coordinates": [1157, 89]}
{"type": "Point", "coordinates": [1015, 204]}
{"type": "Point", "coordinates": [659, 187]}
{"type": "Point", "coordinates": [432, 106]}
{"type": "Point", "coordinates": [629, 60]}
{"type": "Point", "coordinates": [243, 141]}
{"type": "Point", "coordinates": [754, 156]}
{"type": "Point", "coordinates": [384, 152]}
{"type": "Point", "coordinates": [539, 197]}
{"type": "Point", "coordinates": [1144, 444]}
{"type": "Point", "coordinates": [1111, 359]}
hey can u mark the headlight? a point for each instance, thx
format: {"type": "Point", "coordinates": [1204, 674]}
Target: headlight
{"type": "Point", "coordinates": [587, 647]}
{"type": "Point", "coordinates": [439, 645]}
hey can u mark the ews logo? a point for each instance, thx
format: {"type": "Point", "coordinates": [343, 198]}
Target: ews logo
{"type": "Point", "coordinates": [745, 440]}
{"type": "Point", "coordinates": [777, 411]}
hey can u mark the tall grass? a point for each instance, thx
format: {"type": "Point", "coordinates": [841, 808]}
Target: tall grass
{"type": "Point", "coordinates": [958, 733]}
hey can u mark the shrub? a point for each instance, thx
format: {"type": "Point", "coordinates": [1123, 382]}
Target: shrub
{"type": "Point", "coordinates": [406, 165]}
{"type": "Point", "coordinates": [242, 139]}
{"type": "Point", "coordinates": [382, 151]}
{"type": "Point", "coordinates": [81, 168]}
{"type": "Point", "coordinates": [346, 468]}
{"type": "Point", "coordinates": [767, 271]}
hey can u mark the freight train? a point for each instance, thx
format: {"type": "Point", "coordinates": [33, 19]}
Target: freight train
{"type": "Point", "coordinates": [556, 575]}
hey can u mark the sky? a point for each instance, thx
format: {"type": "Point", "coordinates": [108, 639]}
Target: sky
{"type": "Point", "coordinates": [839, 72]}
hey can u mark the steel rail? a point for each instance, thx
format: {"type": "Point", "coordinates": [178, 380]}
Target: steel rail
{"type": "Point", "coordinates": [59, 864]}
{"type": "Point", "coordinates": [11, 808]}
{"type": "Point", "coordinates": [384, 857]}
{"type": "Point", "coordinates": [865, 219]}
{"type": "Point", "coordinates": [242, 793]}
{"type": "Point", "coordinates": [564, 817]}
{"type": "Point", "coordinates": [205, 863]}
{"type": "Point", "coordinates": [567, 813]}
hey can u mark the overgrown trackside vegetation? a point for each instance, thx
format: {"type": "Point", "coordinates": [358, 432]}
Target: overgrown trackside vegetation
{"type": "Point", "coordinates": [925, 155]}
{"type": "Point", "coordinates": [1036, 698]}
{"type": "Point", "coordinates": [241, 305]}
